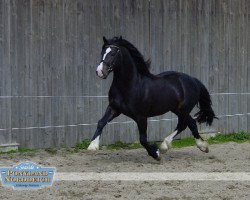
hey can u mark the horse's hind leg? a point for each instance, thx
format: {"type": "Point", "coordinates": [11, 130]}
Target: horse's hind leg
{"type": "Point", "coordinates": [201, 144]}
{"type": "Point", "coordinates": [182, 125]}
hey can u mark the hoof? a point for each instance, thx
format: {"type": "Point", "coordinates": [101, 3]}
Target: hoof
{"type": "Point", "coordinates": [165, 146]}
{"type": "Point", "coordinates": [154, 152]}
{"type": "Point", "coordinates": [204, 149]}
{"type": "Point", "coordinates": [202, 145]}
{"type": "Point", "coordinates": [158, 158]}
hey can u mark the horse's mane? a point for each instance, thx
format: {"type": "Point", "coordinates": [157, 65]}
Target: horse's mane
{"type": "Point", "coordinates": [142, 65]}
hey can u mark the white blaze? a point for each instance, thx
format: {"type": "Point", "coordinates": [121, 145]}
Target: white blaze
{"type": "Point", "coordinates": [106, 53]}
{"type": "Point", "coordinates": [100, 66]}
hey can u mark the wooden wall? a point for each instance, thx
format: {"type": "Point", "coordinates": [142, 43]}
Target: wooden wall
{"type": "Point", "coordinates": [49, 50]}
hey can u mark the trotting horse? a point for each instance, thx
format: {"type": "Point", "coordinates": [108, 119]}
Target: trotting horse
{"type": "Point", "coordinates": [138, 94]}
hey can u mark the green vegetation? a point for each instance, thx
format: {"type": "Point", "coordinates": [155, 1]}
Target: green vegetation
{"type": "Point", "coordinates": [186, 142]}
{"type": "Point", "coordinates": [218, 139]}
{"type": "Point", "coordinates": [20, 150]}
{"type": "Point", "coordinates": [232, 137]}
{"type": "Point", "coordinates": [83, 145]}
{"type": "Point", "coordinates": [121, 145]}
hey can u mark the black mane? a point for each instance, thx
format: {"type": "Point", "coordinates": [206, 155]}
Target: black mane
{"type": "Point", "coordinates": [142, 65]}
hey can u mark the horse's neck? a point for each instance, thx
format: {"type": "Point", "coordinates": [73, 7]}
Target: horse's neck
{"type": "Point", "coordinates": [126, 77]}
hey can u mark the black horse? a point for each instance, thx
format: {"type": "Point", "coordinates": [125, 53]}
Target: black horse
{"type": "Point", "coordinates": [138, 94]}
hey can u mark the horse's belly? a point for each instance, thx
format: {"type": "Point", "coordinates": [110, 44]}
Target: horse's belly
{"type": "Point", "coordinates": [157, 111]}
{"type": "Point", "coordinates": [160, 106]}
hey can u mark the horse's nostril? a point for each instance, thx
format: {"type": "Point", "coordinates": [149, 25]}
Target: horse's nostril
{"type": "Point", "coordinates": [99, 73]}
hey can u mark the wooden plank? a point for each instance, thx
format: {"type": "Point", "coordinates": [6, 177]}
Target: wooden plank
{"type": "Point", "coordinates": [83, 76]}
{"type": "Point", "coordinates": [27, 73]}
{"type": "Point", "coordinates": [223, 68]}
{"type": "Point", "coordinates": [248, 63]}
{"type": "Point", "coordinates": [42, 30]}
{"type": "Point", "coordinates": [45, 16]}
{"type": "Point", "coordinates": [233, 39]}
{"type": "Point", "coordinates": [5, 74]}
{"type": "Point", "coordinates": [242, 63]}
{"type": "Point", "coordinates": [57, 64]}
{"type": "Point", "coordinates": [18, 39]}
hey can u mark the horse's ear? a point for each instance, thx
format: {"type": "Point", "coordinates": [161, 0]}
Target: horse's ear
{"type": "Point", "coordinates": [120, 38]}
{"type": "Point", "coordinates": [104, 40]}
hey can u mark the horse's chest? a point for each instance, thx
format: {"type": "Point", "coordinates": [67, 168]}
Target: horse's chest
{"type": "Point", "coordinates": [122, 105]}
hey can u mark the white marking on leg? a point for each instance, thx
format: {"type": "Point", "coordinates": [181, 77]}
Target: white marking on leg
{"type": "Point", "coordinates": [166, 144]}
{"type": "Point", "coordinates": [202, 145]}
{"type": "Point", "coordinates": [170, 138]}
{"type": "Point", "coordinates": [94, 145]}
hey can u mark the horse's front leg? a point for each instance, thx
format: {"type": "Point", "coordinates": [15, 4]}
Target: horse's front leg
{"type": "Point", "coordinates": [151, 149]}
{"type": "Point", "coordinates": [108, 116]}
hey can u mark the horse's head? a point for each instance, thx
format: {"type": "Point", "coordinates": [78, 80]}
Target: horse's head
{"type": "Point", "coordinates": [109, 59]}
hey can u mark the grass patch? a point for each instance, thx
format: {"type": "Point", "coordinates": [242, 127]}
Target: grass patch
{"type": "Point", "coordinates": [19, 150]}
{"type": "Point", "coordinates": [232, 137]}
{"type": "Point", "coordinates": [218, 139]}
{"type": "Point", "coordinates": [186, 142]}
{"type": "Point", "coordinates": [83, 145]}
{"type": "Point", "coordinates": [120, 145]}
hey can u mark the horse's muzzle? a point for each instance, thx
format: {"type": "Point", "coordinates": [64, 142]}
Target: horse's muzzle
{"type": "Point", "coordinates": [102, 71]}
{"type": "Point", "coordinates": [101, 76]}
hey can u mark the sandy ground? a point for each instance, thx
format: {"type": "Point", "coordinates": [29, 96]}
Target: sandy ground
{"type": "Point", "coordinates": [230, 157]}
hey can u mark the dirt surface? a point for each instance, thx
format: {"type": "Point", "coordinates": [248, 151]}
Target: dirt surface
{"type": "Point", "coordinates": [230, 157]}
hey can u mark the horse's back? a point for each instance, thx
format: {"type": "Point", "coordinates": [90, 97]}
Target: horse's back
{"type": "Point", "coordinates": [178, 76]}
{"type": "Point", "coordinates": [172, 74]}
{"type": "Point", "coordinates": [168, 73]}
{"type": "Point", "coordinates": [187, 85]}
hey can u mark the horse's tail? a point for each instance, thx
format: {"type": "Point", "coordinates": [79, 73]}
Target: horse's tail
{"type": "Point", "coordinates": [206, 113]}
